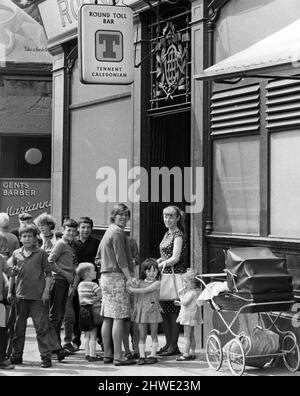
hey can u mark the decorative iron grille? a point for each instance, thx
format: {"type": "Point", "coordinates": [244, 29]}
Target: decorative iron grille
{"type": "Point", "coordinates": [170, 65]}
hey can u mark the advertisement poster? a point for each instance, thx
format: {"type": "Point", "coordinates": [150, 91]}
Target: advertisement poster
{"type": "Point", "coordinates": [22, 36]}
{"type": "Point", "coordinates": [24, 195]}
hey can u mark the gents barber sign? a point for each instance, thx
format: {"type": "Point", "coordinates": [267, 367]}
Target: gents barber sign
{"type": "Point", "coordinates": [106, 44]}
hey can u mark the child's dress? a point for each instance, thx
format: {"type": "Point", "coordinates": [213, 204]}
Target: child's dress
{"type": "Point", "coordinates": [147, 309]}
{"type": "Point", "coordinates": [189, 314]}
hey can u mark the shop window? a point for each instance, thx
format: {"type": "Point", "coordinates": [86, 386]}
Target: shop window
{"type": "Point", "coordinates": [25, 157]}
{"type": "Point", "coordinates": [285, 184]}
{"type": "Point", "coordinates": [236, 185]}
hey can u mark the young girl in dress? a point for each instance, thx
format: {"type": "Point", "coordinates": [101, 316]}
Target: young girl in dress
{"type": "Point", "coordinates": [89, 297]}
{"type": "Point", "coordinates": [147, 309]}
{"type": "Point", "coordinates": [189, 315]}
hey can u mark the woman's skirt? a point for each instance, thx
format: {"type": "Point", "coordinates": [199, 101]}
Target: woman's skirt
{"type": "Point", "coordinates": [115, 298]}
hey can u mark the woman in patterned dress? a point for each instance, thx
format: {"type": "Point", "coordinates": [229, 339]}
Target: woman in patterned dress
{"type": "Point", "coordinates": [172, 251]}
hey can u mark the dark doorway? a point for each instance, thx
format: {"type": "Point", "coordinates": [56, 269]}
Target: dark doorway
{"type": "Point", "coordinates": [169, 145]}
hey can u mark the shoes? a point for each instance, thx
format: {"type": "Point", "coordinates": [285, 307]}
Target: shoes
{"type": "Point", "coordinates": [16, 360]}
{"type": "Point", "coordinates": [108, 360]}
{"type": "Point", "coordinates": [169, 352]}
{"type": "Point", "coordinates": [70, 348]}
{"type": "Point", "coordinates": [141, 361]}
{"type": "Point", "coordinates": [6, 365]}
{"type": "Point", "coordinates": [130, 356]}
{"type": "Point", "coordinates": [46, 363]}
{"type": "Point", "coordinates": [76, 343]}
{"type": "Point", "coordinates": [192, 357]}
{"type": "Point", "coordinates": [61, 354]}
{"type": "Point", "coordinates": [95, 358]}
{"type": "Point", "coordinates": [118, 362]}
{"type": "Point", "coordinates": [163, 349]}
{"type": "Point", "coordinates": [151, 360]}
{"type": "Point", "coordinates": [183, 358]}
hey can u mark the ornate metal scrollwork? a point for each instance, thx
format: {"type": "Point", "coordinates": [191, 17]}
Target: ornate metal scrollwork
{"type": "Point", "coordinates": [171, 63]}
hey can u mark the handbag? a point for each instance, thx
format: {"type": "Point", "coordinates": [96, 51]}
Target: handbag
{"type": "Point", "coordinates": [170, 284]}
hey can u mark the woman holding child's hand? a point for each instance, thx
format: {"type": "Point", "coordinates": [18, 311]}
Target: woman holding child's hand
{"type": "Point", "coordinates": [116, 276]}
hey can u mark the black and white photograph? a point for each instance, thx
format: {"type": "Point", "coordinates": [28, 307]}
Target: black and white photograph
{"type": "Point", "coordinates": [149, 191]}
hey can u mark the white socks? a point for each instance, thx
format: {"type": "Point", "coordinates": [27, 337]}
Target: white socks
{"type": "Point", "coordinates": [142, 350]}
{"type": "Point", "coordinates": [154, 348]}
{"type": "Point", "coordinates": [92, 348]}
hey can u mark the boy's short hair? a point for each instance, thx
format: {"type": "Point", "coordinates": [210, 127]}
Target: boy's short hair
{"type": "Point", "coordinates": [87, 220]}
{"type": "Point", "coordinates": [83, 268]}
{"type": "Point", "coordinates": [25, 216]}
{"type": "Point", "coordinates": [45, 218]}
{"type": "Point", "coordinates": [58, 234]}
{"type": "Point", "coordinates": [119, 208]}
{"type": "Point", "coordinates": [30, 228]}
{"type": "Point", "coordinates": [70, 223]}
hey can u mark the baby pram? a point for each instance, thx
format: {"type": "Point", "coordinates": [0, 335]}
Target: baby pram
{"type": "Point", "coordinates": [247, 293]}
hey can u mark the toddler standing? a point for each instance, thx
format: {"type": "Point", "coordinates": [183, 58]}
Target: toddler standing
{"type": "Point", "coordinates": [147, 310]}
{"type": "Point", "coordinates": [89, 298]}
{"type": "Point", "coordinates": [189, 315]}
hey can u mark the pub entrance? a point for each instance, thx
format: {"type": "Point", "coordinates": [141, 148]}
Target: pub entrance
{"type": "Point", "coordinates": [169, 146]}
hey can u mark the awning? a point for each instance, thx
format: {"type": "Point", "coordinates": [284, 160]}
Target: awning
{"type": "Point", "coordinates": [282, 47]}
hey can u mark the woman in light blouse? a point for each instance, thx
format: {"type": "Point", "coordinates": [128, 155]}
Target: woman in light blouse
{"type": "Point", "coordinates": [114, 253]}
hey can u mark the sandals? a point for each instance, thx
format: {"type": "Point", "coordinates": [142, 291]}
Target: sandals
{"type": "Point", "coordinates": [182, 358]}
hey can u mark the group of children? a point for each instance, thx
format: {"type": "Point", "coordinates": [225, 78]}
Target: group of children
{"type": "Point", "coordinates": [147, 311]}
{"type": "Point", "coordinates": [30, 272]}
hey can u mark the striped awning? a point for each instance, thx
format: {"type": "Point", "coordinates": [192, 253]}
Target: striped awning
{"type": "Point", "coordinates": [281, 48]}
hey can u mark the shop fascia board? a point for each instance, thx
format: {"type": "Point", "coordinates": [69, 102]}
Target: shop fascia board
{"type": "Point", "coordinates": [63, 35]}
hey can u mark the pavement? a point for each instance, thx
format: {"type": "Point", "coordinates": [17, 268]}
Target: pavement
{"type": "Point", "coordinates": [75, 365]}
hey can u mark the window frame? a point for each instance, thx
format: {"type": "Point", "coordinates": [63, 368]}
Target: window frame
{"type": "Point", "coordinates": [264, 134]}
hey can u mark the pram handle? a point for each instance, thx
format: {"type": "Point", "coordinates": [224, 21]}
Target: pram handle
{"type": "Point", "coordinates": [211, 275]}
{"type": "Point", "coordinates": [215, 275]}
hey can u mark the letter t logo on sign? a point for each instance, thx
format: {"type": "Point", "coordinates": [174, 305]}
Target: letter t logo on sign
{"type": "Point", "coordinates": [109, 46]}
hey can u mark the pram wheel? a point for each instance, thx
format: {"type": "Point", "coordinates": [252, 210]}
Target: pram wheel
{"type": "Point", "coordinates": [290, 350]}
{"type": "Point", "coordinates": [214, 353]}
{"type": "Point", "coordinates": [236, 357]}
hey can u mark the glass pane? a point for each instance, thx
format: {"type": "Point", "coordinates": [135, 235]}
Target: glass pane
{"type": "Point", "coordinates": [236, 204]}
{"type": "Point", "coordinates": [285, 184]}
{"type": "Point", "coordinates": [17, 159]}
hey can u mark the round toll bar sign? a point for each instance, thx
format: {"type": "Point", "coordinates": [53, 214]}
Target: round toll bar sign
{"type": "Point", "coordinates": [106, 44]}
